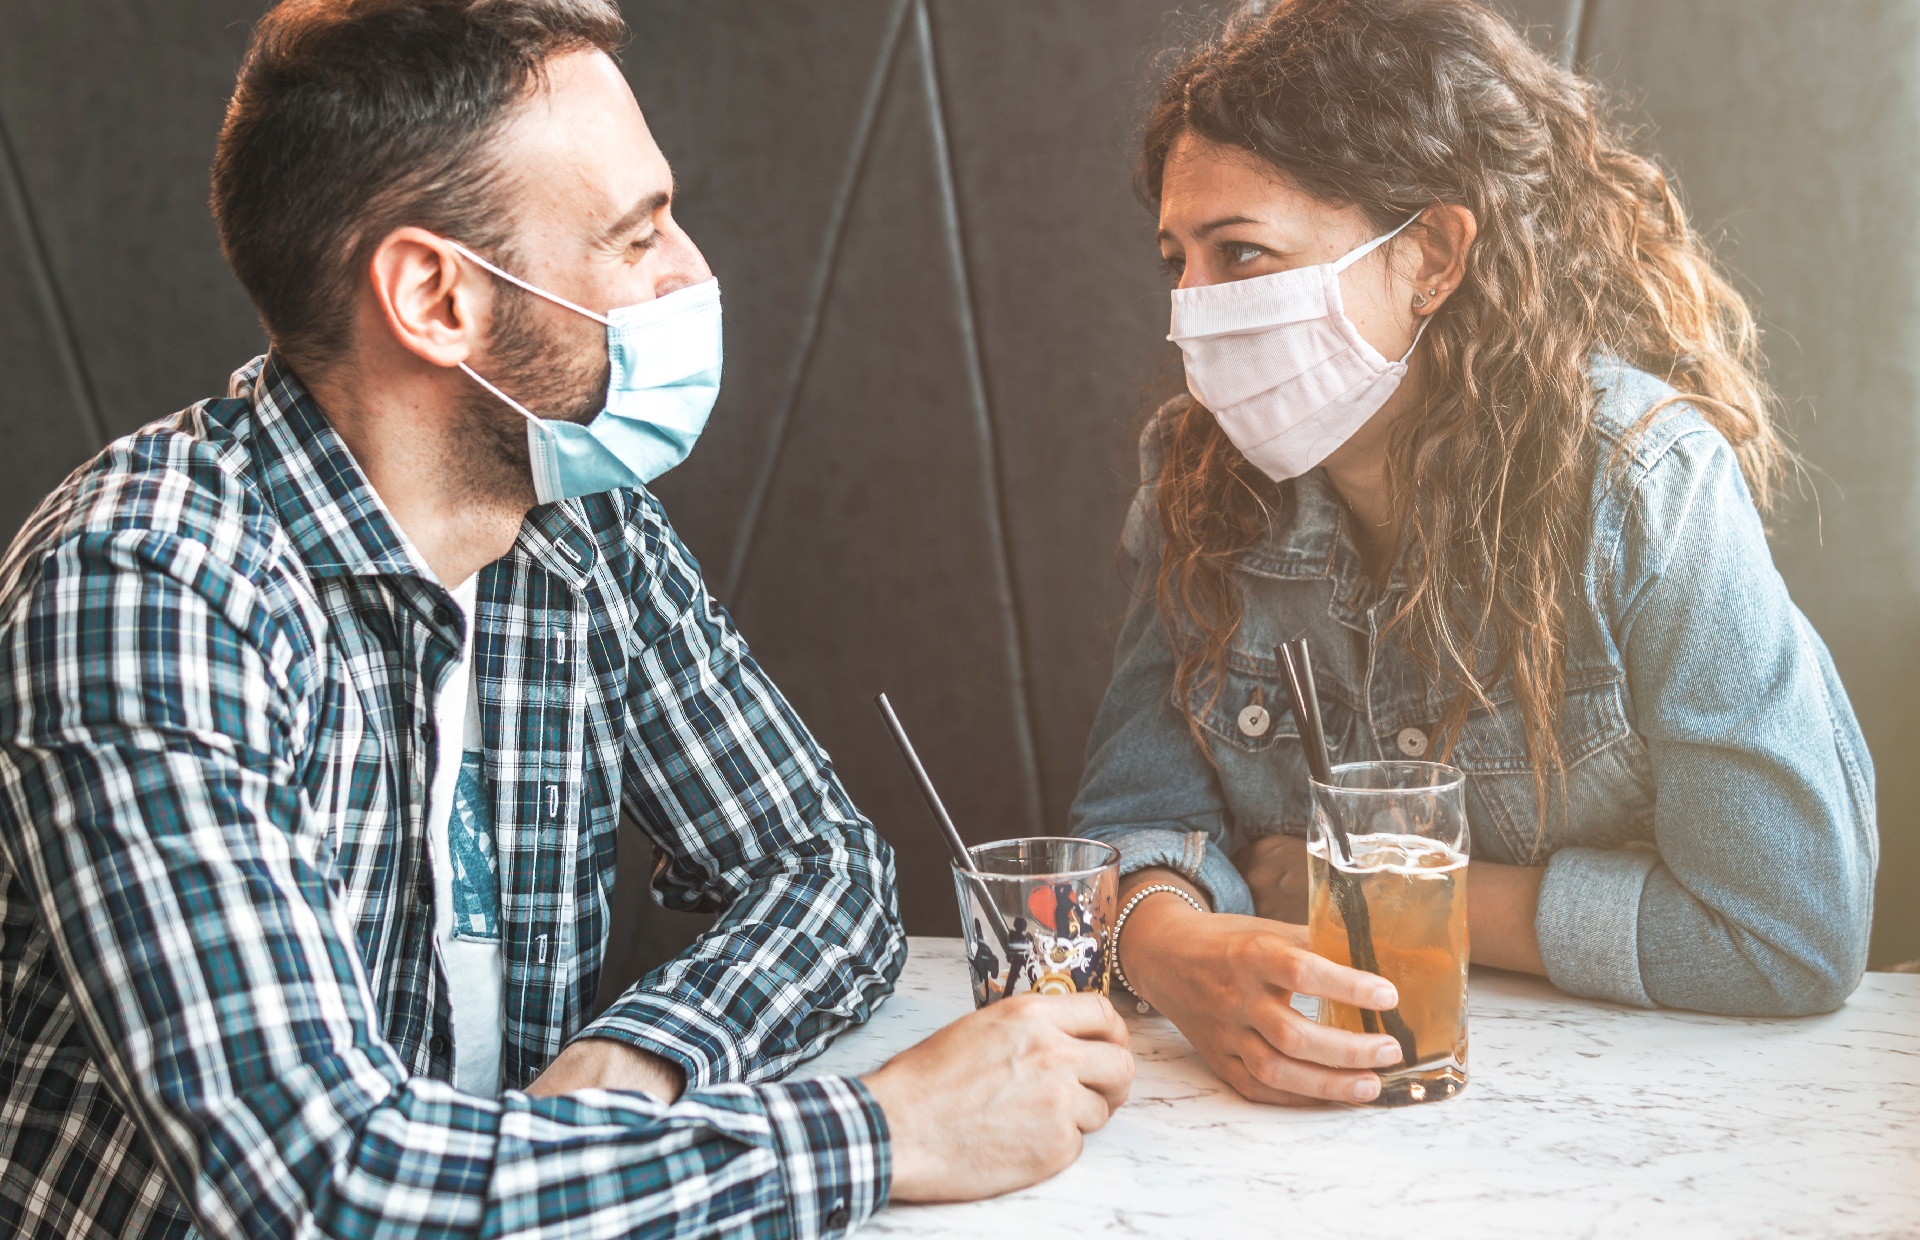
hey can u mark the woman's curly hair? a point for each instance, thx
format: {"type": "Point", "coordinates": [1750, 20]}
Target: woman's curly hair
{"type": "Point", "coordinates": [1583, 248]}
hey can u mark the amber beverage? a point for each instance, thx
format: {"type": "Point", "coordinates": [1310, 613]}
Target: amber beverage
{"type": "Point", "coordinates": [1407, 879]}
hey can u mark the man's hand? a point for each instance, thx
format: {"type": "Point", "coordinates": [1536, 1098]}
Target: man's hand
{"type": "Point", "coordinates": [602, 1063]}
{"type": "Point", "coordinates": [1001, 1099]}
{"type": "Point", "coordinates": [1227, 981]}
{"type": "Point", "coordinates": [1275, 867]}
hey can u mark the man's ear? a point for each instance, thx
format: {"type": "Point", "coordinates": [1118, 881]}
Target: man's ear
{"type": "Point", "coordinates": [1444, 234]}
{"type": "Point", "coordinates": [428, 296]}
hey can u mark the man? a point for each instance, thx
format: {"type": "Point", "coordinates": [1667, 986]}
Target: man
{"type": "Point", "coordinates": [319, 704]}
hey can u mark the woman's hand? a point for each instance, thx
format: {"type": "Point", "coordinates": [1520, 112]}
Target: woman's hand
{"type": "Point", "coordinates": [1275, 867]}
{"type": "Point", "coordinates": [1227, 982]}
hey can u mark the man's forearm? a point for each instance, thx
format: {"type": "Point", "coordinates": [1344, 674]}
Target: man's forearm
{"type": "Point", "coordinates": [603, 1063]}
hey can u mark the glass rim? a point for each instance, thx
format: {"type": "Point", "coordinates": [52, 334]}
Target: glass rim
{"type": "Point", "coordinates": [973, 851]}
{"type": "Point", "coordinates": [1447, 777]}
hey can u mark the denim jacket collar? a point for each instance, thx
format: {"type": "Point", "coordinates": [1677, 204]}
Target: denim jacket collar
{"type": "Point", "coordinates": [1313, 536]}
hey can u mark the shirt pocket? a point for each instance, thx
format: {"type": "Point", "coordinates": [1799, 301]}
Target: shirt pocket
{"type": "Point", "coordinates": [1262, 767]}
{"type": "Point", "coordinates": [1603, 799]}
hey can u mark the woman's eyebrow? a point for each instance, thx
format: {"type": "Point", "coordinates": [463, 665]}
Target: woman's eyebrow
{"type": "Point", "coordinates": [1211, 226]}
{"type": "Point", "coordinates": [1225, 221]}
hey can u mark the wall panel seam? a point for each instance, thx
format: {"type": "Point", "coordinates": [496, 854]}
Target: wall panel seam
{"type": "Point", "coordinates": [1581, 36]}
{"type": "Point", "coordinates": [831, 243]}
{"type": "Point", "coordinates": [996, 508]}
{"type": "Point", "coordinates": [53, 307]}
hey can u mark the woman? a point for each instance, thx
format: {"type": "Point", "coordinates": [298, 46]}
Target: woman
{"type": "Point", "coordinates": [1475, 414]}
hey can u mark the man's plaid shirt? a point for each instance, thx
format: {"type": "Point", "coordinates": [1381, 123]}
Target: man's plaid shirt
{"type": "Point", "coordinates": [220, 1001]}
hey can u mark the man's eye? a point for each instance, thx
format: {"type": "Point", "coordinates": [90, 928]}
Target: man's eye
{"type": "Point", "coordinates": [643, 244]}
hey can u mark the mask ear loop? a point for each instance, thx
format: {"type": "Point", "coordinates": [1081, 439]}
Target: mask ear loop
{"type": "Point", "coordinates": [1355, 255]}
{"type": "Point", "coordinates": [1417, 333]}
{"type": "Point", "coordinates": [558, 300]}
{"type": "Point", "coordinates": [510, 402]}
{"type": "Point", "coordinates": [555, 298]}
{"type": "Point", "coordinates": [1340, 264]}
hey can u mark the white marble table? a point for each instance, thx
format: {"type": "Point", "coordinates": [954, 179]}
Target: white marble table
{"type": "Point", "coordinates": [1582, 1119]}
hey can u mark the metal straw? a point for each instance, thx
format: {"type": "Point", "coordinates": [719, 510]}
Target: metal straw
{"type": "Point", "coordinates": [962, 859]}
{"type": "Point", "coordinates": [1296, 668]}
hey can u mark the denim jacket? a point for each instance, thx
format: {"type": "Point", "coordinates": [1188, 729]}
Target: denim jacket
{"type": "Point", "coordinates": [1713, 844]}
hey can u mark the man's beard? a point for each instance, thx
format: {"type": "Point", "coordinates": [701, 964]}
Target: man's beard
{"type": "Point", "coordinates": [536, 364]}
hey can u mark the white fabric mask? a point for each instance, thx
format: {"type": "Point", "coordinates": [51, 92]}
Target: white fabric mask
{"type": "Point", "coordinates": [1281, 366]}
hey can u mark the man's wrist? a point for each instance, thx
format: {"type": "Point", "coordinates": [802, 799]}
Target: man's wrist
{"type": "Point", "coordinates": [836, 1150]}
{"type": "Point", "coordinates": [606, 1063]}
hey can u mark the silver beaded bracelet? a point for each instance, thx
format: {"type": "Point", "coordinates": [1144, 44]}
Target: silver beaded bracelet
{"type": "Point", "coordinates": [1120, 923]}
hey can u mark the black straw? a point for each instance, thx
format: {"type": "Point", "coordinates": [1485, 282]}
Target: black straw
{"type": "Point", "coordinates": [1296, 668]}
{"type": "Point", "coordinates": [962, 859]}
{"type": "Point", "coordinates": [955, 844]}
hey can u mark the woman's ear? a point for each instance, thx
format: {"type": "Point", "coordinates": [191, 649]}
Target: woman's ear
{"type": "Point", "coordinates": [1444, 235]}
{"type": "Point", "coordinates": [430, 310]}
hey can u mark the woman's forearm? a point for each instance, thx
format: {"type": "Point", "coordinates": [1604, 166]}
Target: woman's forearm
{"type": "Point", "coordinates": [1501, 903]}
{"type": "Point", "coordinates": [1151, 919]}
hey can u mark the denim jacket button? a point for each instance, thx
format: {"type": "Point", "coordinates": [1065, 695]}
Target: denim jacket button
{"type": "Point", "coordinates": [1412, 742]}
{"type": "Point", "coordinates": [1254, 721]}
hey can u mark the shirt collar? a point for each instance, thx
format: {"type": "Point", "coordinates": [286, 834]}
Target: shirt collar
{"type": "Point", "coordinates": [337, 524]}
{"type": "Point", "coordinates": [332, 514]}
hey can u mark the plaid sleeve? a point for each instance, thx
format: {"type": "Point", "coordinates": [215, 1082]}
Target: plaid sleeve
{"type": "Point", "coordinates": [149, 743]}
{"type": "Point", "coordinates": [730, 785]}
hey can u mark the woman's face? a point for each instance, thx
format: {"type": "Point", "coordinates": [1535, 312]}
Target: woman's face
{"type": "Point", "coordinates": [1227, 215]}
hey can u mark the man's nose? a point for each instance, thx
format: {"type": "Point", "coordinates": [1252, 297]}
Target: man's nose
{"type": "Point", "coordinates": [684, 267]}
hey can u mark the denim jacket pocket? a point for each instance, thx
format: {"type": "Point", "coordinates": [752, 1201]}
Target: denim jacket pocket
{"type": "Point", "coordinates": [1605, 800]}
{"type": "Point", "coordinates": [1254, 742]}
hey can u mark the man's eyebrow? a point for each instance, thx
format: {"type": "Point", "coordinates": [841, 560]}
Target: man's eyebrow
{"type": "Point", "coordinates": [640, 212]}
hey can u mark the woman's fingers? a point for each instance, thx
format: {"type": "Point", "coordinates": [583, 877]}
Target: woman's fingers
{"type": "Point", "coordinates": [1296, 1037]}
{"type": "Point", "coordinates": [1287, 1075]}
{"type": "Point", "coordinates": [1244, 1083]}
{"type": "Point", "coordinates": [1295, 969]}
{"type": "Point", "coordinates": [1335, 1087]}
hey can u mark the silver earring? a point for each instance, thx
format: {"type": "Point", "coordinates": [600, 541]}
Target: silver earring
{"type": "Point", "coordinates": [1421, 299]}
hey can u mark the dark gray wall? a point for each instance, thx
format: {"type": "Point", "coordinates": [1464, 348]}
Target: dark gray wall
{"type": "Point", "coordinates": [945, 322]}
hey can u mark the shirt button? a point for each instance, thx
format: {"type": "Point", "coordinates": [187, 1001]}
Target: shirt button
{"type": "Point", "coordinates": [1254, 721]}
{"type": "Point", "coordinates": [839, 1217]}
{"type": "Point", "coordinates": [443, 615]}
{"type": "Point", "coordinates": [1412, 742]}
{"type": "Point", "coordinates": [427, 731]}
{"type": "Point", "coordinates": [438, 1045]}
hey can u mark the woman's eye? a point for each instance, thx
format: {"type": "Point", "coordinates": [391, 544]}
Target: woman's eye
{"type": "Point", "coordinates": [1238, 252]}
{"type": "Point", "coordinates": [1174, 265]}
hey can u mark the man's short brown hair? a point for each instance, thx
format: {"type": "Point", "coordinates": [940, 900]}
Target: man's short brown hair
{"type": "Point", "coordinates": [352, 118]}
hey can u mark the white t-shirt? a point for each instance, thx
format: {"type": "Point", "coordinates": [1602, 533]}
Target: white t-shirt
{"type": "Point", "coordinates": [466, 871]}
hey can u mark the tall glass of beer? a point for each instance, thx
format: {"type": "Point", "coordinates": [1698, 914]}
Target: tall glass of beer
{"type": "Point", "coordinates": [1391, 898]}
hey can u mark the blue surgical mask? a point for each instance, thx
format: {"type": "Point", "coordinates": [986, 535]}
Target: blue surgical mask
{"type": "Point", "coordinates": [663, 373]}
